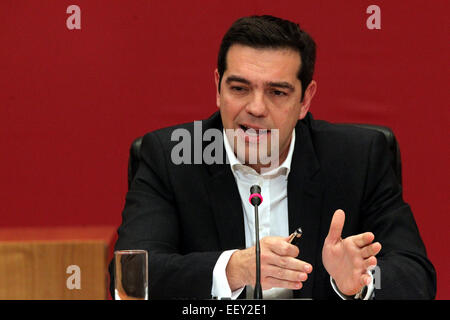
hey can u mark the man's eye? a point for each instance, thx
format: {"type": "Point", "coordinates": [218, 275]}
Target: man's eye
{"type": "Point", "coordinates": [278, 93]}
{"type": "Point", "coordinates": [239, 90]}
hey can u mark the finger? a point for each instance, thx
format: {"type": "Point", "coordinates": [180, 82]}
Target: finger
{"type": "Point", "coordinates": [283, 274]}
{"type": "Point", "coordinates": [293, 264]}
{"type": "Point", "coordinates": [369, 263]}
{"type": "Point", "coordinates": [371, 250]}
{"type": "Point", "coordinates": [363, 239]}
{"type": "Point", "coordinates": [290, 263]}
{"type": "Point", "coordinates": [270, 282]}
{"type": "Point", "coordinates": [283, 248]}
{"type": "Point", "coordinates": [336, 226]}
{"type": "Point", "coordinates": [366, 279]}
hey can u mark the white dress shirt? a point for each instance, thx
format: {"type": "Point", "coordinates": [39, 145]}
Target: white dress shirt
{"type": "Point", "coordinates": [273, 217]}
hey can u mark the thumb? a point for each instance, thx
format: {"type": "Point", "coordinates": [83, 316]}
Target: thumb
{"type": "Point", "coordinates": [336, 226]}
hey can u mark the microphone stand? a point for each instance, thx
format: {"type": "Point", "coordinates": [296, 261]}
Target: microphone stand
{"type": "Point", "coordinates": [255, 200]}
{"type": "Point", "coordinates": [257, 294]}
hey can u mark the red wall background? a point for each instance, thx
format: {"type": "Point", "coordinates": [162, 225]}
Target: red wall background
{"type": "Point", "coordinates": [71, 101]}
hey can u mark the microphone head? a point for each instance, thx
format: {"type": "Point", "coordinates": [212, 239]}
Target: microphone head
{"type": "Point", "coordinates": [255, 189]}
{"type": "Point", "coordinates": [255, 195]}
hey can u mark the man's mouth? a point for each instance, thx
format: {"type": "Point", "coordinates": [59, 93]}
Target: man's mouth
{"type": "Point", "coordinates": [253, 133]}
{"type": "Point", "coordinates": [253, 129]}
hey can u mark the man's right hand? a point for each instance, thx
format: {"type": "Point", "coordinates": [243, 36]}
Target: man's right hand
{"type": "Point", "coordinates": [279, 266]}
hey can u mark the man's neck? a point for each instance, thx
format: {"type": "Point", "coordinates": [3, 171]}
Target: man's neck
{"type": "Point", "coordinates": [270, 166]}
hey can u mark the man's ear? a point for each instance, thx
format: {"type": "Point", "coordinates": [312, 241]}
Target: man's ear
{"type": "Point", "coordinates": [216, 79]}
{"type": "Point", "coordinates": [306, 103]}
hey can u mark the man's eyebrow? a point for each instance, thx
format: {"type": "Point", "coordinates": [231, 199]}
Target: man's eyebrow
{"type": "Point", "coordinates": [237, 79]}
{"type": "Point", "coordinates": [282, 84]}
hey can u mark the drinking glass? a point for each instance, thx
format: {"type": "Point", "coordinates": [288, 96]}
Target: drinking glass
{"type": "Point", "coordinates": [131, 275]}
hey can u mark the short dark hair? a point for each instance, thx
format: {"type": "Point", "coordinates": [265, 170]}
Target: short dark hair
{"type": "Point", "coordinates": [266, 31]}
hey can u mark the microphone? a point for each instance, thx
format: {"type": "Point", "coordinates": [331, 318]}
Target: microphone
{"type": "Point", "coordinates": [256, 199]}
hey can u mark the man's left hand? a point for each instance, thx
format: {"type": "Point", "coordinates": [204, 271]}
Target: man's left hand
{"type": "Point", "coordinates": [347, 260]}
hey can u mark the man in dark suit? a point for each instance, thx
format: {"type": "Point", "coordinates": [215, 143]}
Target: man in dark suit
{"type": "Point", "coordinates": [332, 180]}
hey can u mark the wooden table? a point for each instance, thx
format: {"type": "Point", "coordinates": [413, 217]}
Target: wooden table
{"type": "Point", "coordinates": [55, 262]}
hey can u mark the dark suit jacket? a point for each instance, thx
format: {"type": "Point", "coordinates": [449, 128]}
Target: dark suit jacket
{"type": "Point", "coordinates": [187, 215]}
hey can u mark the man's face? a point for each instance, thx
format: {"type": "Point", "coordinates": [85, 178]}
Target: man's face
{"type": "Point", "coordinates": [260, 90]}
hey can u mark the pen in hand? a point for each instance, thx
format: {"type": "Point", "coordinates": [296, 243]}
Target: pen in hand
{"type": "Point", "coordinates": [294, 238]}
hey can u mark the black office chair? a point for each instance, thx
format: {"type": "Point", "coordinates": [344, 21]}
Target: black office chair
{"type": "Point", "coordinates": [134, 159]}
{"type": "Point", "coordinates": [393, 146]}
{"type": "Point", "coordinates": [394, 154]}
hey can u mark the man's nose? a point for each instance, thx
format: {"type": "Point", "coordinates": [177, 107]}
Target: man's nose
{"type": "Point", "coordinates": [257, 106]}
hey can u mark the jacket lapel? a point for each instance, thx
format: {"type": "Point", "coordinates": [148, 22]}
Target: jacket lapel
{"type": "Point", "coordinates": [304, 202]}
{"type": "Point", "coordinates": [227, 208]}
{"type": "Point", "coordinates": [224, 198]}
